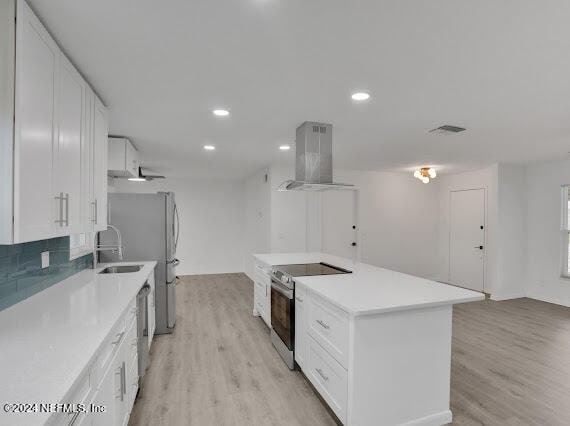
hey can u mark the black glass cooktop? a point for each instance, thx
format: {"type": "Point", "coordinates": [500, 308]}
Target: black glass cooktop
{"type": "Point", "coordinates": [309, 269]}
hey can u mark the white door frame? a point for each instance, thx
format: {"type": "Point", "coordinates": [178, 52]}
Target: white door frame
{"type": "Point", "coordinates": [485, 239]}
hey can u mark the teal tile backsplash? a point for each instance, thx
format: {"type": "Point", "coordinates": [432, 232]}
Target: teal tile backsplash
{"type": "Point", "coordinates": [21, 273]}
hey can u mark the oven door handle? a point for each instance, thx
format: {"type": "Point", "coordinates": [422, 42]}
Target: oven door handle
{"type": "Point", "coordinates": [282, 289]}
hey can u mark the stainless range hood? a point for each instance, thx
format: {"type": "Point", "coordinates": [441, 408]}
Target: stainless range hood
{"type": "Point", "coordinates": [313, 160]}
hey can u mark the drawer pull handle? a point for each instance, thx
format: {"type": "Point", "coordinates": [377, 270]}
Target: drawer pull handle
{"type": "Point", "coordinates": [325, 378]}
{"type": "Point", "coordinates": [323, 324]}
{"type": "Point", "coordinates": [119, 338]}
{"type": "Point", "coordinates": [74, 418]}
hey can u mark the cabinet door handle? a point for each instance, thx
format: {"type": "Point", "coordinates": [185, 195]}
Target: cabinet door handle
{"type": "Point", "coordinates": [60, 198]}
{"type": "Point", "coordinates": [124, 380]}
{"type": "Point", "coordinates": [119, 372]}
{"type": "Point", "coordinates": [325, 378]}
{"type": "Point", "coordinates": [74, 418]}
{"type": "Point", "coordinates": [95, 213]}
{"type": "Point", "coordinates": [92, 203]}
{"type": "Point", "coordinates": [66, 209]}
{"type": "Point", "coordinates": [323, 324]}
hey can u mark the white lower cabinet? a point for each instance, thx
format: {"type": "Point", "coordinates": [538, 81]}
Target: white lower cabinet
{"type": "Point", "coordinates": [262, 292]}
{"type": "Point", "coordinates": [321, 334]}
{"type": "Point", "coordinates": [326, 374]}
{"type": "Point", "coordinates": [105, 397]}
{"type": "Point", "coordinates": [108, 389]}
{"type": "Point", "coordinates": [151, 309]}
{"type": "Point", "coordinates": [300, 325]}
{"type": "Point", "coordinates": [328, 377]}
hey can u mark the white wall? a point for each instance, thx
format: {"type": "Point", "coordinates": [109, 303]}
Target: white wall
{"type": "Point", "coordinates": [279, 222]}
{"type": "Point", "coordinates": [257, 237]}
{"type": "Point", "coordinates": [211, 222]}
{"type": "Point", "coordinates": [397, 218]}
{"type": "Point", "coordinates": [512, 232]}
{"type": "Point", "coordinates": [294, 227]}
{"type": "Point", "coordinates": [544, 264]}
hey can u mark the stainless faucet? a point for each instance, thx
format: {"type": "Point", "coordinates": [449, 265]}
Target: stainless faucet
{"type": "Point", "coordinates": [114, 248]}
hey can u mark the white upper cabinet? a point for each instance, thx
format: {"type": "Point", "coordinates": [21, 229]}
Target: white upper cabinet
{"type": "Point", "coordinates": [53, 136]}
{"type": "Point", "coordinates": [100, 135]}
{"type": "Point", "coordinates": [37, 58]}
{"type": "Point", "coordinates": [123, 158]}
{"type": "Point", "coordinates": [69, 151]}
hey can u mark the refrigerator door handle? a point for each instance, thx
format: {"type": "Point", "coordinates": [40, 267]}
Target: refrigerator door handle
{"type": "Point", "coordinates": [171, 303]}
{"type": "Point", "coordinates": [177, 227]}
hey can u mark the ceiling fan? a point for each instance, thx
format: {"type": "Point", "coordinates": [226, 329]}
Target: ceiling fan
{"type": "Point", "coordinates": [142, 177]}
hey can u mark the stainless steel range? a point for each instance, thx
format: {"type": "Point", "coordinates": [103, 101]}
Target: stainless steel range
{"type": "Point", "coordinates": [283, 303]}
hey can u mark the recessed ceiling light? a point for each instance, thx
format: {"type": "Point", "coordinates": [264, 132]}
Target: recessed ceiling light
{"type": "Point", "coordinates": [209, 147]}
{"type": "Point", "coordinates": [221, 112]}
{"type": "Point", "coordinates": [360, 96]}
{"type": "Point", "coordinates": [284, 147]}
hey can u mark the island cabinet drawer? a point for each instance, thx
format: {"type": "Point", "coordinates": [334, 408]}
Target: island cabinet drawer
{"type": "Point", "coordinates": [329, 325]}
{"type": "Point", "coordinates": [328, 377]}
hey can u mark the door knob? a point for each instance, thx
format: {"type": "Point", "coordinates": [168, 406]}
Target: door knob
{"type": "Point", "coordinates": [479, 247]}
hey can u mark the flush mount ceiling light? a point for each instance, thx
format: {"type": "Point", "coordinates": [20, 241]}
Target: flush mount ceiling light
{"type": "Point", "coordinates": [425, 174]}
{"type": "Point", "coordinates": [360, 96]}
{"type": "Point", "coordinates": [209, 147]}
{"type": "Point", "coordinates": [447, 129]}
{"type": "Point", "coordinates": [284, 147]}
{"type": "Point", "coordinates": [221, 112]}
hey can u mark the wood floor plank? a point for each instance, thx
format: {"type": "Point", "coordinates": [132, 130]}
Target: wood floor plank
{"type": "Point", "coordinates": [510, 364]}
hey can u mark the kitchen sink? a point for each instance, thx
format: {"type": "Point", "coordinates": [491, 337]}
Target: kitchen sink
{"type": "Point", "coordinates": [121, 269]}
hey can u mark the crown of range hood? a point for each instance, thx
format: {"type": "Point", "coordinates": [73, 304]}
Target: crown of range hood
{"type": "Point", "coordinates": [313, 160]}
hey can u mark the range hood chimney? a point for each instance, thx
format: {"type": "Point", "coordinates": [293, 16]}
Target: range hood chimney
{"type": "Point", "coordinates": [313, 160]}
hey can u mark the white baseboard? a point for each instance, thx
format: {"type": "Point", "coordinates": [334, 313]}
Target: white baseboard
{"type": "Point", "coordinates": [436, 419]}
{"type": "Point", "coordinates": [507, 296]}
{"type": "Point", "coordinates": [548, 299]}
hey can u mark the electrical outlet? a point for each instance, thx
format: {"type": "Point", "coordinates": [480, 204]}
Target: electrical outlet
{"type": "Point", "coordinates": [45, 259]}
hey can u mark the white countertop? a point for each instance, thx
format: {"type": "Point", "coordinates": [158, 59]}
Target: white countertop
{"type": "Point", "coordinates": [370, 289]}
{"type": "Point", "coordinates": [49, 339]}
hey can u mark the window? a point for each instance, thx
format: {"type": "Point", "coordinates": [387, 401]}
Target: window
{"type": "Point", "coordinates": [79, 245]}
{"type": "Point", "coordinates": [565, 231]}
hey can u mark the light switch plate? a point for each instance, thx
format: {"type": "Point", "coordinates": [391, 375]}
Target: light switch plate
{"type": "Point", "coordinates": [45, 259]}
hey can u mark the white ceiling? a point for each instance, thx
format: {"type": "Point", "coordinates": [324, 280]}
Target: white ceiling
{"type": "Point", "coordinates": [499, 68]}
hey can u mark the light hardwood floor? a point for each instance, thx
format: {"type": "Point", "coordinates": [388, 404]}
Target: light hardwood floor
{"type": "Point", "coordinates": [510, 364]}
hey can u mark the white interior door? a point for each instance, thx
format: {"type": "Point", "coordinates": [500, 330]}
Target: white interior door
{"type": "Point", "coordinates": [467, 239]}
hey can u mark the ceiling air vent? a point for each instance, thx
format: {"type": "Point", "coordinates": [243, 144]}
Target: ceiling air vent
{"type": "Point", "coordinates": [446, 130]}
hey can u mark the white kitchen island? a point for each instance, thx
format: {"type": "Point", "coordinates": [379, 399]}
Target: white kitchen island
{"type": "Point", "coordinates": [375, 344]}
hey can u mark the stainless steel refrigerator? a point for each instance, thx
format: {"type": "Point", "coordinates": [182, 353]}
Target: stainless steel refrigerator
{"type": "Point", "coordinates": [149, 226]}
